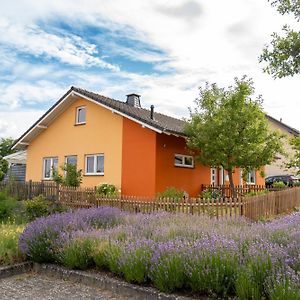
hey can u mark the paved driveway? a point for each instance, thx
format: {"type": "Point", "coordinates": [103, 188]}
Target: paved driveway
{"type": "Point", "coordinates": [40, 287]}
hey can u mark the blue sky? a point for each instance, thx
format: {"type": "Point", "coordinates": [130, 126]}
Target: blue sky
{"type": "Point", "coordinates": [163, 50]}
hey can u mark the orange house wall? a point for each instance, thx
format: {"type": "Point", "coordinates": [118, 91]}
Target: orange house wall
{"type": "Point", "coordinates": [138, 160]}
{"type": "Point", "coordinates": [168, 175]}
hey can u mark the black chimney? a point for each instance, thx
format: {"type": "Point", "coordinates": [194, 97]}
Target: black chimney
{"type": "Point", "coordinates": [152, 112]}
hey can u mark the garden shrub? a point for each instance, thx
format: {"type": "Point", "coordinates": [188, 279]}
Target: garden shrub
{"type": "Point", "coordinates": [71, 177]}
{"type": "Point", "coordinates": [136, 259]}
{"type": "Point", "coordinates": [212, 273]}
{"type": "Point", "coordinates": [171, 193]}
{"type": "Point", "coordinates": [278, 185]}
{"type": "Point", "coordinates": [36, 208]}
{"type": "Point", "coordinates": [8, 205]}
{"type": "Point", "coordinates": [99, 254]}
{"type": "Point", "coordinates": [284, 290]}
{"type": "Point", "coordinates": [256, 193]}
{"type": "Point", "coordinates": [112, 254]}
{"type": "Point", "coordinates": [211, 194]}
{"type": "Point", "coordinates": [107, 190]}
{"type": "Point", "coordinates": [77, 254]}
{"type": "Point", "coordinates": [167, 268]}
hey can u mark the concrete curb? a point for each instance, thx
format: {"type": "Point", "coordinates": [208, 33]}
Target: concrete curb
{"type": "Point", "coordinates": [16, 269]}
{"type": "Point", "coordinates": [106, 282]}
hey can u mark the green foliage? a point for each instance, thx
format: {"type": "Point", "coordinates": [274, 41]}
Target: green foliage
{"type": "Point", "coordinates": [251, 280]}
{"type": "Point", "coordinates": [107, 190]}
{"type": "Point", "coordinates": [284, 290]}
{"type": "Point", "coordinates": [212, 274]}
{"type": "Point", "coordinates": [99, 254]}
{"type": "Point", "coordinates": [256, 193]}
{"type": "Point", "coordinates": [211, 194]}
{"type": "Point", "coordinates": [168, 273]}
{"type": "Point", "coordinates": [72, 177]}
{"type": "Point", "coordinates": [78, 254]}
{"type": "Point", "coordinates": [283, 54]}
{"type": "Point", "coordinates": [37, 207]}
{"type": "Point", "coordinates": [136, 263]}
{"type": "Point", "coordinates": [5, 149]}
{"type": "Point", "coordinates": [8, 205]}
{"type": "Point", "coordinates": [9, 237]}
{"type": "Point", "coordinates": [294, 162]}
{"type": "Point", "coordinates": [228, 128]}
{"type": "Point", "coordinates": [171, 193]}
{"type": "Point", "coordinates": [278, 185]}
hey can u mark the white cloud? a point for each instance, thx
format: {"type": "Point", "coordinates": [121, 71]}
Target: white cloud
{"type": "Point", "coordinates": [69, 49]}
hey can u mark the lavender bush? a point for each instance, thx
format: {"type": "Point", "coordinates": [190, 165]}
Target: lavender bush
{"type": "Point", "coordinates": [225, 257]}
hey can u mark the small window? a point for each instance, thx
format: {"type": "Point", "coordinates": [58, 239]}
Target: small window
{"type": "Point", "coordinates": [184, 161]}
{"type": "Point", "coordinates": [94, 164]}
{"type": "Point", "coordinates": [251, 177]}
{"type": "Point", "coordinates": [49, 164]}
{"type": "Point", "coordinates": [71, 160]}
{"type": "Point", "coordinates": [80, 115]}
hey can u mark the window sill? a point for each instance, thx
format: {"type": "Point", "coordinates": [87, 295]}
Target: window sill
{"type": "Point", "coordinates": [78, 124]}
{"type": "Point", "coordinates": [184, 166]}
{"type": "Point", "coordinates": [94, 174]}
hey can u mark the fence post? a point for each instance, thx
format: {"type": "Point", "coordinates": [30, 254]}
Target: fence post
{"type": "Point", "coordinates": [57, 192]}
{"type": "Point", "coordinates": [30, 190]}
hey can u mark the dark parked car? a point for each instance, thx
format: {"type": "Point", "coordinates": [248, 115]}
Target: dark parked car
{"type": "Point", "coordinates": [288, 180]}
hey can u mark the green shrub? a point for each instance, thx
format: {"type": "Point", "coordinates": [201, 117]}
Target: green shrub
{"type": "Point", "coordinates": [135, 262]}
{"type": "Point", "coordinates": [167, 273]}
{"type": "Point", "coordinates": [7, 206]}
{"type": "Point", "coordinates": [284, 290]}
{"type": "Point", "coordinates": [296, 184]}
{"type": "Point", "coordinates": [99, 254]}
{"type": "Point", "coordinates": [72, 176]}
{"type": "Point", "coordinates": [256, 193]}
{"type": "Point", "coordinates": [211, 194]}
{"type": "Point", "coordinates": [37, 207]}
{"type": "Point", "coordinates": [171, 193]}
{"type": "Point", "coordinates": [279, 184]}
{"type": "Point", "coordinates": [212, 274]}
{"type": "Point", "coordinates": [251, 280]}
{"type": "Point", "coordinates": [77, 254]}
{"type": "Point", "coordinates": [107, 190]}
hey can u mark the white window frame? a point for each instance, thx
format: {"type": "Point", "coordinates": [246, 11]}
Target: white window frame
{"type": "Point", "coordinates": [77, 115]}
{"type": "Point", "coordinates": [52, 158]}
{"type": "Point", "coordinates": [95, 164]}
{"type": "Point", "coordinates": [248, 177]}
{"type": "Point", "coordinates": [183, 165]}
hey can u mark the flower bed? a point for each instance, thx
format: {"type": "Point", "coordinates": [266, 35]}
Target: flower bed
{"type": "Point", "coordinates": [174, 252]}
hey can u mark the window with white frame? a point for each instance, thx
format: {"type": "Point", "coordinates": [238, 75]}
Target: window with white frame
{"type": "Point", "coordinates": [184, 161]}
{"type": "Point", "coordinates": [49, 164]}
{"type": "Point", "coordinates": [94, 164]}
{"type": "Point", "coordinates": [80, 115]}
{"type": "Point", "coordinates": [71, 160]}
{"type": "Point", "coordinates": [251, 177]}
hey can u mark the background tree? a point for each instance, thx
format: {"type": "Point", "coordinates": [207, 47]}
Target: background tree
{"type": "Point", "coordinates": [295, 160]}
{"type": "Point", "coordinates": [229, 129]}
{"type": "Point", "coordinates": [5, 149]}
{"type": "Point", "coordinates": [283, 54]}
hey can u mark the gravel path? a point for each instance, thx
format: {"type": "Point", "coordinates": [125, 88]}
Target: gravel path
{"type": "Point", "coordinates": [41, 287]}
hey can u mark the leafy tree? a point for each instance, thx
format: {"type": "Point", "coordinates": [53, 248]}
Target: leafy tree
{"type": "Point", "coordinates": [5, 149]}
{"type": "Point", "coordinates": [283, 54]}
{"type": "Point", "coordinates": [295, 160]}
{"type": "Point", "coordinates": [72, 176]}
{"type": "Point", "coordinates": [229, 129]}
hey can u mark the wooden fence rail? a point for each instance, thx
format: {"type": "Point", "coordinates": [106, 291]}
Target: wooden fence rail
{"type": "Point", "coordinates": [255, 207]}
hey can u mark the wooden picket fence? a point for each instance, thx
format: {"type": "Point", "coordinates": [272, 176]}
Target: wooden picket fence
{"type": "Point", "coordinates": [255, 207]}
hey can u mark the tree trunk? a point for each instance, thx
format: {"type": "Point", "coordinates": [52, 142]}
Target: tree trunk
{"type": "Point", "coordinates": [231, 184]}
